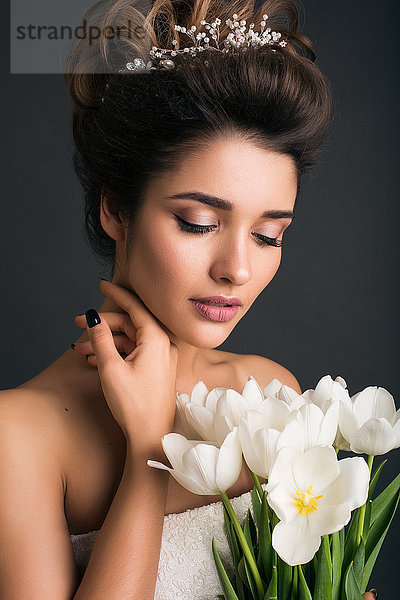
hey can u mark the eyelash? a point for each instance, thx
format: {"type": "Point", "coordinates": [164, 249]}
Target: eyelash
{"type": "Point", "coordinates": [262, 240]}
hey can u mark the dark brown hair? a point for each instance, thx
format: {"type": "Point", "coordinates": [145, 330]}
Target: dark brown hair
{"type": "Point", "coordinates": [148, 121]}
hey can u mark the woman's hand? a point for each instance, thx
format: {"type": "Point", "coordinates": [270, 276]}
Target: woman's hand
{"type": "Point", "coordinates": [140, 389]}
{"type": "Point", "coordinates": [371, 595]}
{"type": "Point", "coordinates": [120, 324]}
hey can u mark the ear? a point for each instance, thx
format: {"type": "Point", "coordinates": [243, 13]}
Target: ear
{"type": "Point", "coordinates": [110, 219]}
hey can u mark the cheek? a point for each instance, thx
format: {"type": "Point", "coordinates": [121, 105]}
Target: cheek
{"type": "Point", "coordinates": [164, 260]}
{"type": "Point", "coordinates": [267, 269]}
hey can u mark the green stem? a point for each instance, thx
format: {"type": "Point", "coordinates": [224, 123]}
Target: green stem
{"type": "Point", "coordinates": [244, 545]}
{"type": "Point", "coordinates": [364, 506]}
{"type": "Point", "coordinates": [258, 484]}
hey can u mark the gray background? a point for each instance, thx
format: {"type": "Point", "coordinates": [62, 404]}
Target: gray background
{"type": "Point", "coordinates": [332, 307]}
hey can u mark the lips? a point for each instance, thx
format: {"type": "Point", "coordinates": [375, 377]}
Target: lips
{"type": "Point", "coordinates": [219, 301]}
{"type": "Point", "coordinates": [216, 312]}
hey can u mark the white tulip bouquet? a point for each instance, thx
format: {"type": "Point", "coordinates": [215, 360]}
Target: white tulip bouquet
{"type": "Point", "coordinates": [294, 546]}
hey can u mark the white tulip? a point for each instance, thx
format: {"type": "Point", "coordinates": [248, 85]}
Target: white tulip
{"type": "Point", "coordinates": [326, 392]}
{"type": "Point", "coordinates": [212, 415]}
{"type": "Point", "coordinates": [370, 423]}
{"type": "Point", "coordinates": [276, 389]}
{"type": "Point", "coordinates": [263, 432]}
{"type": "Point", "coordinates": [201, 467]}
{"type": "Point", "coordinates": [313, 494]}
{"type": "Point", "coordinates": [319, 428]}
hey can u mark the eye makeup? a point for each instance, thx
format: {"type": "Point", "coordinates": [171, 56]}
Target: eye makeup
{"type": "Point", "coordinates": [261, 240]}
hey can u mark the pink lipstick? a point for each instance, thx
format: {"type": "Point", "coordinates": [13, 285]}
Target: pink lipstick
{"type": "Point", "coordinates": [217, 308]}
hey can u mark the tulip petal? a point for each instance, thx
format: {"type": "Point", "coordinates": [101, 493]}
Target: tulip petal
{"type": "Point", "coordinates": [374, 437]}
{"type": "Point", "coordinates": [199, 464]}
{"type": "Point", "coordinates": [202, 420]}
{"type": "Point", "coordinates": [329, 424]}
{"type": "Point", "coordinates": [374, 402]}
{"type": "Point", "coordinates": [329, 518]}
{"type": "Point", "coordinates": [352, 484]}
{"type": "Point", "coordinates": [294, 542]}
{"type": "Point", "coordinates": [184, 480]}
{"type": "Point", "coordinates": [396, 430]}
{"type": "Point", "coordinates": [317, 466]}
{"type": "Point", "coordinates": [212, 399]}
{"type": "Point", "coordinates": [272, 388]}
{"type": "Point", "coordinates": [250, 448]}
{"type": "Point", "coordinates": [199, 393]}
{"type": "Point", "coordinates": [252, 393]}
{"type": "Point", "coordinates": [312, 419]}
{"type": "Point", "coordinates": [229, 461]}
{"type": "Point", "coordinates": [348, 420]}
{"type": "Point", "coordinates": [276, 413]}
{"type": "Point", "coordinates": [174, 446]}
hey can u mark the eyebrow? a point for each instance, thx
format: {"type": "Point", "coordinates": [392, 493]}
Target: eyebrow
{"type": "Point", "coordinates": [226, 205]}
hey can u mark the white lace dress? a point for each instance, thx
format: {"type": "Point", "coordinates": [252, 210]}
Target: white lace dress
{"type": "Point", "coordinates": [186, 568]}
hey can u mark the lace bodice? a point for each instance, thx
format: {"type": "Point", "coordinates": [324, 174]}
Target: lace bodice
{"type": "Point", "coordinates": [186, 569]}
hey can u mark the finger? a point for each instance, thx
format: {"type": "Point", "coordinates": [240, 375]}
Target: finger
{"type": "Point", "coordinates": [118, 322]}
{"type": "Point", "coordinates": [92, 360]}
{"type": "Point", "coordinates": [370, 595]}
{"type": "Point", "coordinates": [102, 340]}
{"type": "Point", "coordinates": [130, 302]}
{"type": "Point", "coordinates": [121, 341]}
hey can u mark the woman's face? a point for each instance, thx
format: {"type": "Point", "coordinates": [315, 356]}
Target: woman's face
{"type": "Point", "coordinates": [171, 263]}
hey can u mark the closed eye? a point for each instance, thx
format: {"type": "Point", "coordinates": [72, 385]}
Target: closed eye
{"type": "Point", "coordinates": [262, 240]}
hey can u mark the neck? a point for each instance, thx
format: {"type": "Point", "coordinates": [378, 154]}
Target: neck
{"type": "Point", "coordinates": [193, 362]}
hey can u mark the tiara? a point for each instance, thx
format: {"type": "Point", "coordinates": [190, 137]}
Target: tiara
{"type": "Point", "coordinates": [238, 38]}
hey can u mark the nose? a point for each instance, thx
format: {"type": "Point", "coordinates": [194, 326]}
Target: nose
{"type": "Point", "coordinates": [231, 261]}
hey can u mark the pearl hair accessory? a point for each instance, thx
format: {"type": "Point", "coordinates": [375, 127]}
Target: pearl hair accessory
{"type": "Point", "coordinates": [237, 39]}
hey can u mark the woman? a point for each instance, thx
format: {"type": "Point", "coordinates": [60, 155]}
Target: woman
{"type": "Point", "coordinates": [190, 177]}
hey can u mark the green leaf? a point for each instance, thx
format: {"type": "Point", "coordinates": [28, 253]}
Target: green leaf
{"type": "Point", "coordinates": [235, 553]}
{"type": "Point", "coordinates": [305, 593]}
{"type": "Point", "coordinates": [376, 537]}
{"type": "Point", "coordinates": [242, 572]}
{"type": "Point", "coordinates": [350, 542]}
{"type": "Point", "coordinates": [272, 589]}
{"type": "Point", "coordinates": [284, 580]}
{"type": "Point", "coordinates": [323, 582]}
{"type": "Point", "coordinates": [384, 497]}
{"type": "Point", "coordinates": [256, 502]}
{"type": "Point", "coordinates": [250, 579]}
{"type": "Point", "coordinates": [295, 585]}
{"type": "Point", "coordinates": [265, 549]}
{"type": "Point", "coordinates": [253, 529]}
{"type": "Point", "coordinates": [358, 563]}
{"type": "Point", "coordinates": [350, 585]}
{"type": "Point", "coordinates": [367, 519]}
{"type": "Point", "coordinates": [247, 533]}
{"type": "Point", "coordinates": [374, 478]}
{"type": "Point", "coordinates": [225, 582]}
{"type": "Point", "coordinates": [337, 558]}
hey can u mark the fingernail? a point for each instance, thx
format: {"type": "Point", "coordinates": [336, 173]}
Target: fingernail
{"type": "Point", "coordinates": [80, 315]}
{"type": "Point", "coordinates": [92, 317]}
{"type": "Point", "coordinates": [102, 278]}
{"type": "Point", "coordinates": [374, 591]}
{"type": "Point", "coordinates": [73, 346]}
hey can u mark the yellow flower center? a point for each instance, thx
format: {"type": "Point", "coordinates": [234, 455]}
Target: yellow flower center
{"type": "Point", "coordinates": [306, 502]}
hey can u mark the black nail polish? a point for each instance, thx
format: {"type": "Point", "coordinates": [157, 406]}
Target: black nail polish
{"type": "Point", "coordinates": [103, 279]}
{"type": "Point", "coordinates": [92, 317]}
{"type": "Point", "coordinates": [73, 346]}
{"type": "Point", "coordinates": [80, 315]}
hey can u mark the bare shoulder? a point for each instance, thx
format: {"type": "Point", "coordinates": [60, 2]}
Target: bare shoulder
{"type": "Point", "coordinates": [264, 370]}
{"type": "Point", "coordinates": [32, 519]}
{"type": "Point", "coordinates": [32, 422]}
